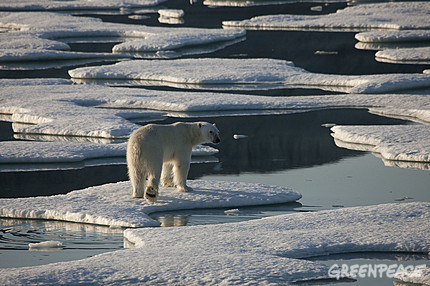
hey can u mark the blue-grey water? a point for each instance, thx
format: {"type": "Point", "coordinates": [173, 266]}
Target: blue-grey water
{"type": "Point", "coordinates": [291, 150]}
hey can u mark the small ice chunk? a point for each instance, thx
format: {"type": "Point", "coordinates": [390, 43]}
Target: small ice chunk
{"type": "Point", "coordinates": [328, 125]}
{"type": "Point", "coordinates": [316, 8]}
{"type": "Point", "coordinates": [326, 52]}
{"type": "Point", "coordinates": [232, 212]}
{"type": "Point", "coordinates": [239, 136]}
{"type": "Point", "coordinates": [171, 13]}
{"type": "Point", "coordinates": [50, 244]}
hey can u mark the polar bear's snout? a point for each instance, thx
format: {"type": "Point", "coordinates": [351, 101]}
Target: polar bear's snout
{"type": "Point", "coordinates": [216, 139]}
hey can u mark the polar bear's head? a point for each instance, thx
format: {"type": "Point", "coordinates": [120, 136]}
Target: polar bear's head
{"type": "Point", "coordinates": [209, 132]}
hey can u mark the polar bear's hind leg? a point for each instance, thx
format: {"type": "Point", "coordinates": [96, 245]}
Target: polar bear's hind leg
{"type": "Point", "coordinates": [167, 175]}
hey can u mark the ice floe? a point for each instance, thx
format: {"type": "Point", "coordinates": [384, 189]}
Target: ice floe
{"type": "Point", "coordinates": [51, 5]}
{"type": "Point", "coordinates": [355, 18]}
{"type": "Point", "coordinates": [263, 73]}
{"type": "Point", "coordinates": [96, 111]}
{"type": "Point", "coordinates": [406, 56]}
{"type": "Point", "coordinates": [390, 36]}
{"type": "Point", "coordinates": [19, 152]}
{"type": "Point", "coordinates": [395, 143]}
{"type": "Point", "coordinates": [45, 245]}
{"type": "Point", "coordinates": [263, 252]}
{"type": "Point", "coordinates": [41, 35]}
{"type": "Point", "coordinates": [419, 276]}
{"type": "Point", "coordinates": [112, 204]}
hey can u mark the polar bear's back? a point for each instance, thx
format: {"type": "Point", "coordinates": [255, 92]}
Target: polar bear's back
{"type": "Point", "coordinates": [160, 140]}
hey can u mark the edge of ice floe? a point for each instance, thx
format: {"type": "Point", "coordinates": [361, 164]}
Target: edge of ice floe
{"type": "Point", "coordinates": [53, 152]}
{"type": "Point", "coordinates": [112, 204]}
{"type": "Point", "coordinates": [395, 142]}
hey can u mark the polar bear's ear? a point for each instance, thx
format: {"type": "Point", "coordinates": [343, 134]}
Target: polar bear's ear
{"type": "Point", "coordinates": [214, 124]}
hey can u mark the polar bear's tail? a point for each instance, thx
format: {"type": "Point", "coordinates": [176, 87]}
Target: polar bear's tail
{"type": "Point", "coordinates": [135, 173]}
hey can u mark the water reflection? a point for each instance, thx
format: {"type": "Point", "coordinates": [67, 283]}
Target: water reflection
{"type": "Point", "coordinates": [223, 215]}
{"type": "Point", "coordinates": [78, 241]}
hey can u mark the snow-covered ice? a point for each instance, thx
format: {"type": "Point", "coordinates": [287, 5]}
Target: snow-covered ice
{"type": "Point", "coordinates": [406, 56]}
{"type": "Point", "coordinates": [42, 35]}
{"type": "Point", "coordinates": [263, 251]}
{"type": "Point", "coordinates": [356, 18]}
{"type": "Point", "coordinates": [96, 111]}
{"type": "Point", "coordinates": [113, 205]}
{"type": "Point", "coordinates": [55, 152]}
{"type": "Point", "coordinates": [396, 36]}
{"type": "Point", "coordinates": [171, 13]}
{"type": "Point", "coordinates": [51, 5]}
{"type": "Point", "coordinates": [393, 142]}
{"type": "Point", "coordinates": [194, 73]}
{"type": "Point", "coordinates": [418, 276]}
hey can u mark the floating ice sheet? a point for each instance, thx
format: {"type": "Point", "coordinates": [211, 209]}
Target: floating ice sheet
{"type": "Point", "coordinates": [390, 36]}
{"type": "Point", "coordinates": [112, 204]}
{"type": "Point", "coordinates": [405, 56]}
{"type": "Point", "coordinates": [245, 72]}
{"type": "Point", "coordinates": [260, 252]}
{"type": "Point", "coordinates": [51, 5]}
{"type": "Point", "coordinates": [395, 142]}
{"type": "Point", "coordinates": [36, 35]}
{"type": "Point", "coordinates": [395, 16]}
{"type": "Point", "coordinates": [418, 276]}
{"type": "Point", "coordinates": [96, 111]}
{"type": "Point", "coordinates": [51, 152]}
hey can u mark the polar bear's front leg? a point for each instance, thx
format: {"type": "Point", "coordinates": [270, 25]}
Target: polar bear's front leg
{"type": "Point", "coordinates": [180, 173]}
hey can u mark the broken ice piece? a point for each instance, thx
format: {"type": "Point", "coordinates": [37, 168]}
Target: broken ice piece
{"type": "Point", "coordinates": [45, 245]}
{"type": "Point", "coordinates": [239, 136]}
{"type": "Point", "coordinates": [232, 212]}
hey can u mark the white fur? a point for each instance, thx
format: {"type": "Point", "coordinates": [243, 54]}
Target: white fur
{"type": "Point", "coordinates": [163, 152]}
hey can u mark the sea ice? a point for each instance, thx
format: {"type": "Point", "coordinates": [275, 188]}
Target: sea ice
{"type": "Point", "coordinates": [263, 251]}
{"type": "Point", "coordinates": [36, 35]}
{"type": "Point", "coordinates": [96, 111]}
{"type": "Point", "coordinates": [171, 13]}
{"type": "Point", "coordinates": [45, 245]}
{"type": "Point", "coordinates": [112, 204]}
{"type": "Point", "coordinates": [418, 276]}
{"type": "Point", "coordinates": [397, 16]}
{"type": "Point", "coordinates": [394, 142]}
{"type": "Point", "coordinates": [194, 73]}
{"type": "Point", "coordinates": [405, 56]}
{"type": "Point", "coordinates": [390, 36]}
{"type": "Point", "coordinates": [51, 5]}
{"type": "Point", "coordinates": [50, 152]}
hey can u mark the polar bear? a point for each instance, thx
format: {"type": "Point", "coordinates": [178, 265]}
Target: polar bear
{"type": "Point", "coordinates": [163, 152]}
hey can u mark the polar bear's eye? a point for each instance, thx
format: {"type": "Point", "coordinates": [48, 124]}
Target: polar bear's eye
{"type": "Point", "coordinates": [211, 132]}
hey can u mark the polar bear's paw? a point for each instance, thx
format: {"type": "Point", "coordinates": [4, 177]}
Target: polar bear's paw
{"type": "Point", "coordinates": [185, 189]}
{"type": "Point", "coordinates": [151, 194]}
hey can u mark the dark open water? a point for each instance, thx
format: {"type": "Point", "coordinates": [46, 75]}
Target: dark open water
{"type": "Point", "coordinates": [291, 149]}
